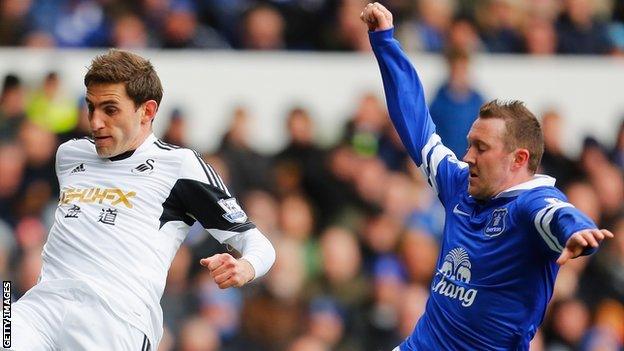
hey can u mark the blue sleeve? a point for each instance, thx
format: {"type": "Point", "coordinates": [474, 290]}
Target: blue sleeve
{"type": "Point", "coordinates": [555, 220]}
{"type": "Point", "coordinates": [405, 98]}
{"type": "Point", "coordinates": [405, 95]}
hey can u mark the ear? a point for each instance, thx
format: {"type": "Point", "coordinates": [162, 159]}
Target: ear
{"type": "Point", "coordinates": [149, 111]}
{"type": "Point", "coordinates": [521, 159]}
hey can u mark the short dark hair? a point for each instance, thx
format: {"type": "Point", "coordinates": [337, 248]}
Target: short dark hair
{"type": "Point", "coordinates": [135, 72]}
{"type": "Point", "coordinates": [522, 128]}
{"type": "Point", "coordinates": [11, 81]}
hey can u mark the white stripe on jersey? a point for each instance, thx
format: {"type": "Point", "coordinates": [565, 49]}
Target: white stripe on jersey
{"type": "Point", "coordinates": [433, 140]}
{"type": "Point", "coordinates": [542, 224]}
{"type": "Point", "coordinates": [430, 167]}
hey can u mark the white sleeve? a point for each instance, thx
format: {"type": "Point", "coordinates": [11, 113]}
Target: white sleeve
{"type": "Point", "coordinates": [253, 246]}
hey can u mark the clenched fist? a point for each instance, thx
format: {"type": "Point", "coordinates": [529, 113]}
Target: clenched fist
{"type": "Point", "coordinates": [228, 271]}
{"type": "Point", "coordinates": [377, 17]}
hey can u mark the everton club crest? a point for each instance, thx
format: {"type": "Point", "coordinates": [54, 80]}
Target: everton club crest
{"type": "Point", "coordinates": [496, 225]}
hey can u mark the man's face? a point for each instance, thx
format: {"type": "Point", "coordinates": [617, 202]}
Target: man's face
{"type": "Point", "coordinates": [489, 161]}
{"type": "Point", "coordinates": [114, 120]}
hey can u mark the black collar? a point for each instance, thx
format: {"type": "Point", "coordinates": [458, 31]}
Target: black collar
{"type": "Point", "coordinates": [122, 156]}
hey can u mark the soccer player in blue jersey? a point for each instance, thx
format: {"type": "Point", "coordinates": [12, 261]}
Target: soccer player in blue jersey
{"type": "Point", "coordinates": [507, 229]}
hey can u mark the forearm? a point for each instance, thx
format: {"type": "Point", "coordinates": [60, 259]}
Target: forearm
{"type": "Point", "coordinates": [405, 95]}
{"type": "Point", "coordinates": [255, 248]}
{"type": "Point", "coordinates": [570, 221]}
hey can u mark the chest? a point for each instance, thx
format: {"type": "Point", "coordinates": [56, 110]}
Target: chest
{"type": "Point", "coordinates": [137, 184]}
{"type": "Point", "coordinates": [486, 237]}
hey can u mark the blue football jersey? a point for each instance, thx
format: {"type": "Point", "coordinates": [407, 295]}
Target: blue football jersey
{"type": "Point", "coordinates": [496, 269]}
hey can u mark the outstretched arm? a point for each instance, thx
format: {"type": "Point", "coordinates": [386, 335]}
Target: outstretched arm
{"type": "Point", "coordinates": [405, 95]}
{"type": "Point", "coordinates": [566, 231]}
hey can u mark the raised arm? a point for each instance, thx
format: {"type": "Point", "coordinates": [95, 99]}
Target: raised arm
{"type": "Point", "coordinates": [405, 95]}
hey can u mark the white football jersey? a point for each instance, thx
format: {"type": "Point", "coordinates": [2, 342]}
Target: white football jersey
{"type": "Point", "coordinates": [120, 221]}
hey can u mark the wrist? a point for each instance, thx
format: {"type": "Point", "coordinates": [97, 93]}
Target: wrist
{"type": "Point", "coordinates": [249, 270]}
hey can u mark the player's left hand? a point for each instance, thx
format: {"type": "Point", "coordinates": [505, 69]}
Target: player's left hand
{"type": "Point", "coordinates": [580, 240]}
{"type": "Point", "coordinates": [228, 271]}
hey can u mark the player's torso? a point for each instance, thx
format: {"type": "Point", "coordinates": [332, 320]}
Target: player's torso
{"type": "Point", "coordinates": [108, 213]}
{"type": "Point", "coordinates": [123, 196]}
{"type": "Point", "coordinates": [485, 279]}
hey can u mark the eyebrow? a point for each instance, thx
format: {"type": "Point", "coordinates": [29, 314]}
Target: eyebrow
{"type": "Point", "coordinates": [476, 141]}
{"type": "Point", "coordinates": [106, 102]}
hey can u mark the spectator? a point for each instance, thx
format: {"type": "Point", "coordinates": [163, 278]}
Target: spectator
{"type": "Point", "coordinates": [50, 108]}
{"type": "Point", "coordinates": [176, 130]}
{"type": "Point", "coordinates": [12, 163]}
{"type": "Point", "coordinates": [303, 158]}
{"type": "Point", "coordinates": [456, 103]}
{"type": "Point", "coordinates": [570, 320]}
{"type": "Point", "coordinates": [198, 335]}
{"type": "Point", "coordinates": [554, 162]}
{"type": "Point", "coordinates": [129, 32]}
{"type": "Point", "coordinates": [262, 29]}
{"type": "Point", "coordinates": [428, 32]}
{"type": "Point", "coordinates": [540, 37]}
{"type": "Point", "coordinates": [273, 317]}
{"type": "Point", "coordinates": [499, 22]}
{"type": "Point", "coordinates": [347, 34]}
{"type": "Point", "coordinates": [579, 32]}
{"type": "Point", "coordinates": [182, 30]}
{"type": "Point", "coordinates": [463, 36]}
{"type": "Point", "coordinates": [14, 22]}
{"type": "Point", "coordinates": [248, 169]}
{"type": "Point", "coordinates": [12, 106]}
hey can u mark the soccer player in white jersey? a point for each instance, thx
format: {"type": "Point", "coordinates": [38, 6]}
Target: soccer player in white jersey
{"type": "Point", "coordinates": [506, 228]}
{"type": "Point", "coordinates": [126, 204]}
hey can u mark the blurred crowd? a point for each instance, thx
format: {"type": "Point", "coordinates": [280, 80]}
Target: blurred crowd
{"type": "Point", "coordinates": [536, 27]}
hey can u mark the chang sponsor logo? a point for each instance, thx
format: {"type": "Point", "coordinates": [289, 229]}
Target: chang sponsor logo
{"type": "Point", "coordinates": [114, 196]}
{"type": "Point", "coordinates": [455, 272]}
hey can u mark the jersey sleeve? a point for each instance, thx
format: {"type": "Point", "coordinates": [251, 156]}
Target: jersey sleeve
{"type": "Point", "coordinates": [405, 98]}
{"type": "Point", "coordinates": [204, 196]}
{"type": "Point", "coordinates": [554, 219]}
{"type": "Point", "coordinates": [200, 193]}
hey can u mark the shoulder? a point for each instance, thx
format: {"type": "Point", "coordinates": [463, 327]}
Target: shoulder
{"type": "Point", "coordinates": [84, 143]}
{"type": "Point", "coordinates": [540, 198]}
{"type": "Point", "coordinates": [191, 163]}
{"type": "Point", "coordinates": [542, 192]}
{"type": "Point", "coordinates": [183, 154]}
{"type": "Point", "coordinates": [76, 147]}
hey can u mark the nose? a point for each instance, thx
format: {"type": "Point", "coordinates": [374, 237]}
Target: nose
{"type": "Point", "coordinates": [469, 156]}
{"type": "Point", "coordinates": [96, 121]}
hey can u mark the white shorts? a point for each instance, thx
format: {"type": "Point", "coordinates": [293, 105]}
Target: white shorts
{"type": "Point", "coordinates": [61, 315]}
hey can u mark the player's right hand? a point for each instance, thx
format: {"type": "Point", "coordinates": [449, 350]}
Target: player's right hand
{"type": "Point", "coordinates": [228, 271]}
{"type": "Point", "coordinates": [376, 17]}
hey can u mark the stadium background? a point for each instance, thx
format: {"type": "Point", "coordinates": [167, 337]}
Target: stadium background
{"type": "Point", "coordinates": [284, 99]}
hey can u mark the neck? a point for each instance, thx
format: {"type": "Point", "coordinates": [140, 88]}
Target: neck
{"type": "Point", "coordinates": [140, 139]}
{"type": "Point", "coordinates": [518, 178]}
